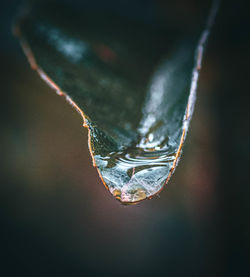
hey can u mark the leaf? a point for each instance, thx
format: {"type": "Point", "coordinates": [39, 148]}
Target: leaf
{"type": "Point", "coordinates": [131, 78]}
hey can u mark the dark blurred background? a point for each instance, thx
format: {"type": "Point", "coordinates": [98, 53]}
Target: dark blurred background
{"type": "Point", "coordinates": [56, 217]}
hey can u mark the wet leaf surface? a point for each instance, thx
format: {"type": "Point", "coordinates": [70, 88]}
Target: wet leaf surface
{"type": "Point", "coordinates": [133, 80]}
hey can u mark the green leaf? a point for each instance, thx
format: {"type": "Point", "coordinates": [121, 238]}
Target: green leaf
{"type": "Point", "coordinates": [133, 79]}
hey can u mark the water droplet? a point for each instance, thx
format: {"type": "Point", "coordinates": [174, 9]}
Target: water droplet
{"type": "Point", "coordinates": [135, 174]}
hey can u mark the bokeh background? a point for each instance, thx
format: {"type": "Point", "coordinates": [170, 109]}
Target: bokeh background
{"type": "Point", "coordinates": [56, 217]}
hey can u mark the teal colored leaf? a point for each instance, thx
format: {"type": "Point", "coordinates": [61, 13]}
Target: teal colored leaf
{"type": "Point", "coordinates": [133, 79]}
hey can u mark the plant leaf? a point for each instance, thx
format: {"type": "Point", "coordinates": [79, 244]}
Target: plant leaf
{"type": "Point", "coordinates": [132, 79]}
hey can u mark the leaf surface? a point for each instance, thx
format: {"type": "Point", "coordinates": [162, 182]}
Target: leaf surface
{"type": "Point", "coordinates": [132, 78]}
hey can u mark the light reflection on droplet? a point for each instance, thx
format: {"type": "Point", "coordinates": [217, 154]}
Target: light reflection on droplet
{"type": "Point", "coordinates": [133, 175]}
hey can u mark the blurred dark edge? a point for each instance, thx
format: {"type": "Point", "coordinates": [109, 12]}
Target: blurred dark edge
{"type": "Point", "coordinates": [25, 249]}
